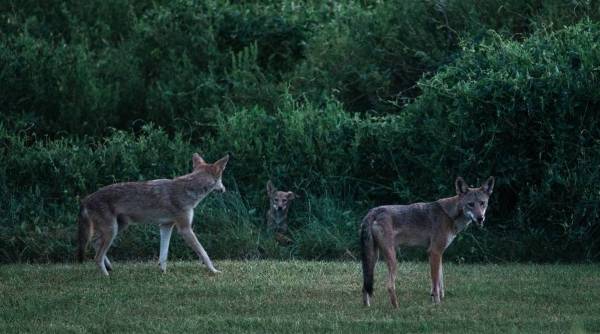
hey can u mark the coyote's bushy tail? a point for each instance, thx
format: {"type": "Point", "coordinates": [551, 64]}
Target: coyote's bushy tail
{"type": "Point", "coordinates": [84, 232]}
{"type": "Point", "coordinates": [369, 255]}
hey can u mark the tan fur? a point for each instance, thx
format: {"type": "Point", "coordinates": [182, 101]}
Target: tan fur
{"type": "Point", "coordinates": [430, 225]}
{"type": "Point", "coordinates": [167, 203]}
{"type": "Point", "coordinates": [279, 205]}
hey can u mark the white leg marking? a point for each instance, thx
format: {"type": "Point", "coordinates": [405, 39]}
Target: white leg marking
{"type": "Point", "coordinates": [107, 263]}
{"type": "Point", "coordinates": [165, 238]}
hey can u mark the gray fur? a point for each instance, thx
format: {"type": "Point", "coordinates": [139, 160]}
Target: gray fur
{"type": "Point", "coordinates": [162, 202]}
{"type": "Point", "coordinates": [432, 226]}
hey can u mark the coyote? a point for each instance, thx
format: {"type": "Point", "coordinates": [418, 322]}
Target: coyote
{"type": "Point", "coordinates": [279, 204]}
{"type": "Point", "coordinates": [162, 202]}
{"type": "Point", "coordinates": [432, 225]}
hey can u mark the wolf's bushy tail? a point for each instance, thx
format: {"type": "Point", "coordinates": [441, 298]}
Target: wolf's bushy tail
{"type": "Point", "coordinates": [369, 255]}
{"type": "Point", "coordinates": [84, 232]}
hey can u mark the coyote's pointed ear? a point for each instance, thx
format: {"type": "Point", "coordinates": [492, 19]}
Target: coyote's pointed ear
{"type": "Point", "coordinates": [291, 195]}
{"type": "Point", "coordinates": [270, 188]}
{"type": "Point", "coordinates": [461, 186]}
{"type": "Point", "coordinates": [197, 161]}
{"type": "Point", "coordinates": [488, 186]}
{"type": "Point", "coordinates": [220, 165]}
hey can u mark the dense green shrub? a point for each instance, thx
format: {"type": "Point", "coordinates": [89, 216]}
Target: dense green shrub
{"type": "Point", "coordinates": [504, 88]}
{"type": "Point", "coordinates": [523, 111]}
{"type": "Point", "coordinates": [42, 181]}
{"type": "Point", "coordinates": [526, 112]}
{"type": "Point", "coordinates": [299, 145]}
{"type": "Point", "coordinates": [72, 68]}
{"type": "Point", "coordinates": [78, 68]}
{"type": "Point", "coordinates": [372, 58]}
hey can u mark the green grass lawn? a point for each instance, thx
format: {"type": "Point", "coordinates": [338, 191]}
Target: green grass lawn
{"type": "Point", "coordinates": [271, 296]}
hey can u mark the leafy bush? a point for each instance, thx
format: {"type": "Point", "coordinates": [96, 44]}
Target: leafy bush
{"type": "Point", "coordinates": [457, 88]}
{"type": "Point", "coordinates": [76, 69]}
{"type": "Point", "coordinates": [43, 181]}
{"type": "Point", "coordinates": [72, 68]}
{"type": "Point", "coordinates": [371, 58]}
{"type": "Point", "coordinates": [524, 112]}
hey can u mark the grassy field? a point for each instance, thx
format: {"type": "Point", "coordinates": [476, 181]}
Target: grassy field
{"type": "Point", "coordinates": [270, 296]}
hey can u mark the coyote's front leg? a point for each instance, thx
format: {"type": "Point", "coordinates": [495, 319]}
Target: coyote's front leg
{"type": "Point", "coordinates": [442, 289]}
{"type": "Point", "coordinates": [165, 238]}
{"type": "Point", "coordinates": [185, 229]}
{"type": "Point", "coordinates": [435, 261]}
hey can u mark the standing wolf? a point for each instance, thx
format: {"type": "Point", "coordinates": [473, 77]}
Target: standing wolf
{"type": "Point", "coordinates": [432, 225]}
{"type": "Point", "coordinates": [279, 204]}
{"type": "Point", "coordinates": [164, 202]}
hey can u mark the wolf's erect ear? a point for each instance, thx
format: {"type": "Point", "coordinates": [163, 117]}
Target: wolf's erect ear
{"type": "Point", "coordinates": [197, 161]}
{"type": "Point", "coordinates": [270, 188]}
{"type": "Point", "coordinates": [461, 186]}
{"type": "Point", "coordinates": [291, 195]}
{"type": "Point", "coordinates": [488, 186]}
{"type": "Point", "coordinates": [220, 165]}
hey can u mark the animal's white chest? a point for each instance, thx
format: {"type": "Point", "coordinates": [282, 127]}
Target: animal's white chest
{"type": "Point", "coordinates": [190, 216]}
{"type": "Point", "coordinates": [449, 239]}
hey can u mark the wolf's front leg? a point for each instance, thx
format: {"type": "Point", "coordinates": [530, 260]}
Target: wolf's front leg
{"type": "Point", "coordinates": [165, 238]}
{"type": "Point", "coordinates": [442, 289]}
{"type": "Point", "coordinates": [190, 238]}
{"type": "Point", "coordinates": [435, 261]}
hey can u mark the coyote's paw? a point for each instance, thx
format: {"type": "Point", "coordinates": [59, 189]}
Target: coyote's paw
{"type": "Point", "coordinates": [215, 272]}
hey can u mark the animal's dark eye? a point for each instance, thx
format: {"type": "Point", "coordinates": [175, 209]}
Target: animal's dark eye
{"type": "Point", "coordinates": [482, 203]}
{"type": "Point", "coordinates": [471, 204]}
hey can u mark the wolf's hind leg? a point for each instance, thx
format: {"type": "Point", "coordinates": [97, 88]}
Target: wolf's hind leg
{"type": "Point", "coordinates": [107, 232]}
{"type": "Point", "coordinates": [107, 263]}
{"type": "Point", "coordinates": [392, 264]}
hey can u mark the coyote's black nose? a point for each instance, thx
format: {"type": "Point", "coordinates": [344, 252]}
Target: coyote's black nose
{"type": "Point", "coordinates": [480, 220]}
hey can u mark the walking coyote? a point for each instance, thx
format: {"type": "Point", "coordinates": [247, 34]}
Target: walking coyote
{"type": "Point", "coordinates": [164, 202]}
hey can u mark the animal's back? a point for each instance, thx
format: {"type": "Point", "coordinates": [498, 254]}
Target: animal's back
{"type": "Point", "coordinates": [410, 225]}
{"type": "Point", "coordinates": [137, 200]}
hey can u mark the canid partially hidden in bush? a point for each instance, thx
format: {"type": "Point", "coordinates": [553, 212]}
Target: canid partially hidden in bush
{"type": "Point", "coordinates": [432, 225]}
{"type": "Point", "coordinates": [164, 202]}
{"type": "Point", "coordinates": [279, 204]}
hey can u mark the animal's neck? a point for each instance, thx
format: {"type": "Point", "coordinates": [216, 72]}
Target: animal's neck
{"type": "Point", "coordinates": [191, 194]}
{"type": "Point", "coordinates": [461, 223]}
{"type": "Point", "coordinates": [456, 215]}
